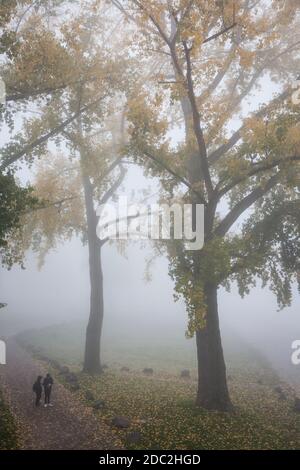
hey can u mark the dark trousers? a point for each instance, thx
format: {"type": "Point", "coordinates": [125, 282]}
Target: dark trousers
{"type": "Point", "coordinates": [38, 398]}
{"type": "Point", "coordinates": [47, 395]}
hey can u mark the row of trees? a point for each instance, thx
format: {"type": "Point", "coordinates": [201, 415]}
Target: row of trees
{"type": "Point", "coordinates": [103, 96]}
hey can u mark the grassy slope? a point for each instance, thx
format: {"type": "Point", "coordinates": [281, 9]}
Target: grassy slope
{"type": "Point", "coordinates": [162, 407]}
{"type": "Point", "coordinates": [8, 432]}
{"type": "Point", "coordinates": [170, 353]}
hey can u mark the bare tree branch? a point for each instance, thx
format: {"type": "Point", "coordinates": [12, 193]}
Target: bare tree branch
{"type": "Point", "coordinates": [236, 136]}
{"type": "Point", "coordinates": [49, 204]}
{"type": "Point", "coordinates": [41, 140]}
{"type": "Point", "coordinates": [256, 169]}
{"type": "Point", "coordinates": [197, 125]}
{"type": "Point", "coordinates": [243, 205]}
{"type": "Point", "coordinates": [220, 33]}
{"type": "Point", "coordinates": [173, 173]}
{"type": "Point", "coordinates": [114, 186]}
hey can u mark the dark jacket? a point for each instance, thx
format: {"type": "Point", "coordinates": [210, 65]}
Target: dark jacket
{"type": "Point", "coordinates": [47, 383]}
{"type": "Point", "coordinates": [37, 387]}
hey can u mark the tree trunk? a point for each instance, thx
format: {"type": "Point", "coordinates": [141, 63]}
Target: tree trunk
{"type": "Point", "coordinates": [92, 363]}
{"type": "Point", "coordinates": [212, 384]}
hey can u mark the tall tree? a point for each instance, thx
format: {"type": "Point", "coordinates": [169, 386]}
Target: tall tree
{"type": "Point", "coordinates": [70, 189]}
{"type": "Point", "coordinates": [216, 56]}
{"type": "Point", "coordinates": [101, 185]}
{"type": "Point", "coordinates": [91, 138]}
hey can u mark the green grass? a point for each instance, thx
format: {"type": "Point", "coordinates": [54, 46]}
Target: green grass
{"type": "Point", "coordinates": [8, 431]}
{"type": "Point", "coordinates": [162, 407]}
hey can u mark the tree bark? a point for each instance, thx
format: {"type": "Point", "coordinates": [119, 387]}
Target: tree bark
{"type": "Point", "coordinates": [212, 384]}
{"type": "Point", "coordinates": [92, 363]}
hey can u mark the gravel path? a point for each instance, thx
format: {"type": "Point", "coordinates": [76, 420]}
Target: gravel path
{"type": "Point", "coordinates": [67, 425]}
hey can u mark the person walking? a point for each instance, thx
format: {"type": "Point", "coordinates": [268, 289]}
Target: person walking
{"type": "Point", "coordinates": [47, 384]}
{"type": "Point", "coordinates": [37, 388]}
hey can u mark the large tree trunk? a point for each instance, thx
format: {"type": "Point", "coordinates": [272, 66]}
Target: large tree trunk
{"type": "Point", "coordinates": [212, 384]}
{"type": "Point", "coordinates": [92, 363]}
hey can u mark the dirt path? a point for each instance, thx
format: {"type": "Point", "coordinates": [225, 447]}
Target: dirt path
{"type": "Point", "coordinates": [67, 425]}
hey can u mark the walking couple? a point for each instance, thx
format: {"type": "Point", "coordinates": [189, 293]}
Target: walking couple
{"type": "Point", "coordinates": [38, 389]}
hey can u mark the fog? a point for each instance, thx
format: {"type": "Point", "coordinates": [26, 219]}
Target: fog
{"type": "Point", "coordinates": [59, 292]}
{"type": "Point", "coordinates": [137, 310]}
